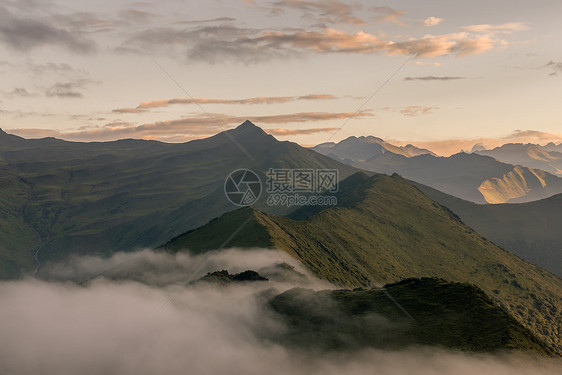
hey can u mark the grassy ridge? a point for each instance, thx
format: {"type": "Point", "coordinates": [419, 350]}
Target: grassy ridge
{"type": "Point", "coordinates": [387, 230]}
{"type": "Point", "coordinates": [450, 315]}
{"type": "Point", "coordinates": [530, 230]}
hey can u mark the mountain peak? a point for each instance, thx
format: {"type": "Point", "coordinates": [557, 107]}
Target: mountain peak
{"type": "Point", "coordinates": [248, 124]}
{"type": "Point", "coordinates": [248, 128]}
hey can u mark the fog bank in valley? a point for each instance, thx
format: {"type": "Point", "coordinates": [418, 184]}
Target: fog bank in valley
{"type": "Point", "coordinates": [140, 317]}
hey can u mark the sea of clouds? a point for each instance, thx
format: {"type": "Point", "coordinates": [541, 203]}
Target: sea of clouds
{"type": "Point", "coordinates": [140, 313]}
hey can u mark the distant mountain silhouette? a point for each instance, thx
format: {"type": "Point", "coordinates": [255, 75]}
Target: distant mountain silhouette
{"type": "Point", "coordinates": [547, 158]}
{"type": "Point", "coordinates": [472, 177]}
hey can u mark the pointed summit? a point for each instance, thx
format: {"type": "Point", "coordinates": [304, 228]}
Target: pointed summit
{"type": "Point", "coordinates": [247, 124]}
{"type": "Point", "coordinates": [248, 130]}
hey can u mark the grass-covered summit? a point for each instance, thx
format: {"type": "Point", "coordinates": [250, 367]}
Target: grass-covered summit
{"type": "Point", "coordinates": [385, 230]}
{"type": "Point", "coordinates": [449, 315]}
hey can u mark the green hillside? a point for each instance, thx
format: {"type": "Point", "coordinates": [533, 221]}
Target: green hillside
{"type": "Point", "coordinates": [385, 230]}
{"type": "Point", "coordinates": [530, 230]}
{"type": "Point", "coordinates": [449, 315]}
{"type": "Point", "coordinates": [63, 197]}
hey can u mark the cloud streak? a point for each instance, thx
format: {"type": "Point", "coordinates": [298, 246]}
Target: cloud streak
{"type": "Point", "coordinates": [506, 28]}
{"type": "Point", "coordinates": [143, 106]}
{"type": "Point", "coordinates": [286, 132]}
{"type": "Point", "coordinates": [434, 78]}
{"type": "Point", "coordinates": [416, 110]}
{"type": "Point", "coordinates": [323, 11]}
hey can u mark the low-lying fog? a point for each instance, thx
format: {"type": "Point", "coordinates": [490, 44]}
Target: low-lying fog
{"type": "Point", "coordinates": [138, 313]}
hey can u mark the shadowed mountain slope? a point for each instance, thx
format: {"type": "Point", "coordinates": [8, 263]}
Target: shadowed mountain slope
{"type": "Point", "coordinates": [530, 230]}
{"type": "Point", "coordinates": [59, 197]}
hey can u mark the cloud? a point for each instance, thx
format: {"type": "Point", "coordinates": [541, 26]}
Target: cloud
{"type": "Point", "coordinates": [141, 320]}
{"type": "Point", "coordinates": [137, 16]}
{"type": "Point", "coordinates": [25, 34]}
{"type": "Point", "coordinates": [51, 67]}
{"type": "Point", "coordinates": [286, 132]}
{"type": "Point", "coordinates": [88, 23]}
{"type": "Point", "coordinates": [422, 63]}
{"type": "Point", "coordinates": [19, 92]}
{"type": "Point", "coordinates": [432, 21]}
{"type": "Point", "coordinates": [416, 110]}
{"type": "Point", "coordinates": [218, 43]}
{"type": "Point", "coordinates": [555, 66]}
{"type": "Point", "coordinates": [188, 128]}
{"type": "Point", "coordinates": [389, 15]}
{"type": "Point", "coordinates": [211, 20]}
{"type": "Point", "coordinates": [458, 44]}
{"type": "Point", "coordinates": [434, 78]}
{"type": "Point", "coordinates": [160, 268]}
{"type": "Point", "coordinates": [143, 106]}
{"type": "Point", "coordinates": [129, 110]}
{"type": "Point", "coordinates": [506, 28]}
{"type": "Point", "coordinates": [68, 89]}
{"type": "Point", "coordinates": [534, 136]}
{"type": "Point", "coordinates": [322, 11]}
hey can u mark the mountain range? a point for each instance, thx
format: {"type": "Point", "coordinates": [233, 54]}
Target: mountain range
{"type": "Point", "coordinates": [470, 176]}
{"type": "Point", "coordinates": [384, 230]}
{"type": "Point", "coordinates": [59, 198]}
{"type": "Point", "coordinates": [547, 158]}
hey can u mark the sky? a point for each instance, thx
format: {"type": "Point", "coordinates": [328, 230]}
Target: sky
{"type": "Point", "coordinates": [440, 74]}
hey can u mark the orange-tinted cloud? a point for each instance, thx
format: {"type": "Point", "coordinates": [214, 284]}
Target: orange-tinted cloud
{"type": "Point", "coordinates": [416, 110]}
{"type": "Point", "coordinates": [323, 11]}
{"type": "Point", "coordinates": [285, 132]}
{"type": "Point", "coordinates": [335, 41]}
{"type": "Point", "coordinates": [389, 15]}
{"type": "Point", "coordinates": [254, 45]}
{"type": "Point", "coordinates": [143, 106]}
{"type": "Point", "coordinates": [432, 21]}
{"type": "Point", "coordinates": [506, 28]}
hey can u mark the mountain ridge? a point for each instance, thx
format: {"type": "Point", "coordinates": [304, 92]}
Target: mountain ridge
{"type": "Point", "coordinates": [102, 197]}
{"type": "Point", "coordinates": [528, 155]}
{"type": "Point", "coordinates": [390, 231]}
{"type": "Point", "coordinates": [531, 230]}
